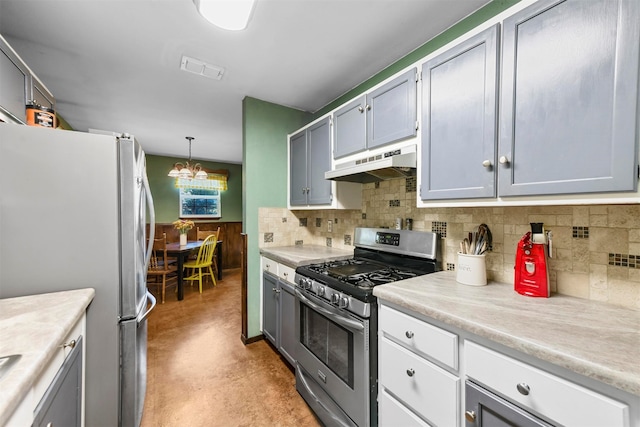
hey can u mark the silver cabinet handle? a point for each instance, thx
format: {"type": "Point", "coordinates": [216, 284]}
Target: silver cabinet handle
{"type": "Point", "coordinates": [70, 344]}
{"type": "Point", "coordinates": [368, 107]}
{"type": "Point", "coordinates": [408, 334]}
{"type": "Point", "coordinates": [360, 108]}
{"type": "Point", "coordinates": [487, 163]}
{"type": "Point", "coordinates": [411, 372]}
{"type": "Point", "coordinates": [524, 389]}
{"type": "Point", "coordinates": [504, 160]}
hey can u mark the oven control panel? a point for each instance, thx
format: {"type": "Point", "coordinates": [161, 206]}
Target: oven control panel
{"type": "Point", "coordinates": [392, 239]}
{"type": "Point", "coordinates": [332, 296]}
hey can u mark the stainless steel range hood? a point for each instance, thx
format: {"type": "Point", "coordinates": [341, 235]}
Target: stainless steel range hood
{"type": "Point", "coordinates": [399, 163]}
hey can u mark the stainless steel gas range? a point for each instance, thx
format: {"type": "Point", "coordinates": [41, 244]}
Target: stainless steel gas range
{"type": "Point", "coordinates": [337, 321]}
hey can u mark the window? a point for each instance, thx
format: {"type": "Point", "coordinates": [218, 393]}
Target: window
{"type": "Point", "coordinates": [199, 203]}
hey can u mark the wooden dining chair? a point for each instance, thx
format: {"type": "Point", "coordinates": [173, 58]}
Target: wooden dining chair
{"type": "Point", "coordinates": [203, 234]}
{"type": "Point", "coordinates": [202, 266]}
{"type": "Point", "coordinates": [160, 266]}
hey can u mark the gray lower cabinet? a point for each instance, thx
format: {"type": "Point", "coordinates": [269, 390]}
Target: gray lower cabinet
{"type": "Point", "coordinates": [270, 307]}
{"type": "Point", "coordinates": [288, 339]}
{"type": "Point", "coordinates": [569, 98]}
{"type": "Point", "coordinates": [278, 321]}
{"type": "Point", "coordinates": [310, 158]}
{"type": "Point", "coordinates": [459, 130]}
{"type": "Point", "coordinates": [61, 404]}
{"type": "Point", "coordinates": [385, 115]}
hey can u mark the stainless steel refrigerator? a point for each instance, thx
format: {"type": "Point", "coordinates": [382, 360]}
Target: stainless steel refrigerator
{"type": "Point", "coordinates": [73, 209]}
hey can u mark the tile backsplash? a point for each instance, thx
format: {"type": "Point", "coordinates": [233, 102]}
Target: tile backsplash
{"type": "Point", "coordinates": [596, 248]}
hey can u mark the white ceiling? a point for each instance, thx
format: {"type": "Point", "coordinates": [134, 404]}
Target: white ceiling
{"type": "Point", "coordinates": [115, 64]}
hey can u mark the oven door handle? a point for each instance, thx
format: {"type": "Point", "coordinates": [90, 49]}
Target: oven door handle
{"type": "Point", "coordinates": [333, 315]}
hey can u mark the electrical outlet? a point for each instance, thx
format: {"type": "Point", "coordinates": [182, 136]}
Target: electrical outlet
{"type": "Point", "coordinates": [330, 226]}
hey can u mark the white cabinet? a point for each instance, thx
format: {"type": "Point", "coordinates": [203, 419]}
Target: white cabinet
{"type": "Point", "coordinates": [19, 86]}
{"type": "Point", "coordinates": [412, 385]}
{"type": "Point", "coordinates": [61, 384]}
{"type": "Point", "coordinates": [541, 392]}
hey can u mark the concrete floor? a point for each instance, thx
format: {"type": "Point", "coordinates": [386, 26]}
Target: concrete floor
{"type": "Point", "coordinates": [200, 373]}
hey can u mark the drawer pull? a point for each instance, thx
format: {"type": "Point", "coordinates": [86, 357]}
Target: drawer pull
{"type": "Point", "coordinates": [523, 388]}
{"type": "Point", "coordinates": [411, 372]}
{"type": "Point", "coordinates": [70, 344]}
{"type": "Point", "coordinates": [470, 416]}
{"type": "Point", "coordinates": [409, 334]}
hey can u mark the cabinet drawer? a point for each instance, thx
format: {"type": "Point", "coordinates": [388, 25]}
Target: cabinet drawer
{"type": "Point", "coordinates": [431, 341]}
{"type": "Point", "coordinates": [286, 273]}
{"type": "Point", "coordinates": [427, 389]}
{"type": "Point", "coordinates": [393, 413]}
{"type": "Point", "coordinates": [553, 397]}
{"type": "Point", "coordinates": [269, 265]}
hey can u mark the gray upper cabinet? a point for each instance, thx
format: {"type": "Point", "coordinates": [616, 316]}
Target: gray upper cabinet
{"type": "Point", "coordinates": [310, 158]}
{"type": "Point", "coordinates": [385, 115]}
{"type": "Point", "coordinates": [459, 130]}
{"type": "Point", "coordinates": [569, 98]}
{"type": "Point", "coordinates": [298, 169]}
{"type": "Point", "coordinates": [350, 128]}
{"type": "Point", "coordinates": [392, 111]}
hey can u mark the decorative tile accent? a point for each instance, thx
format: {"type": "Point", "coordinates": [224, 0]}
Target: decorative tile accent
{"type": "Point", "coordinates": [335, 220]}
{"type": "Point", "coordinates": [394, 203]}
{"type": "Point", "coordinates": [318, 222]}
{"type": "Point", "coordinates": [439, 227]}
{"type": "Point", "coordinates": [299, 242]}
{"type": "Point", "coordinates": [303, 222]}
{"type": "Point", "coordinates": [624, 260]}
{"type": "Point", "coordinates": [268, 237]}
{"type": "Point", "coordinates": [411, 184]}
{"type": "Point", "coordinates": [364, 215]}
{"type": "Point", "coordinates": [376, 184]}
{"type": "Point", "coordinates": [580, 232]}
{"type": "Point", "coordinates": [284, 219]}
{"type": "Point", "coordinates": [347, 239]}
{"type": "Point", "coordinates": [451, 266]}
{"type": "Point", "coordinates": [329, 242]}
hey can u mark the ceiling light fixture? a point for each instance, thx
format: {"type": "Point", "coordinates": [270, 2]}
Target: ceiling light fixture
{"type": "Point", "coordinates": [228, 14]}
{"type": "Point", "coordinates": [188, 170]}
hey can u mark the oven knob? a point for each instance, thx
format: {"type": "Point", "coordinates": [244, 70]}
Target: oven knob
{"type": "Point", "coordinates": [306, 284]}
{"type": "Point", "coordinates": [335, 298]}
{"type": "Point", "coordinates": [320, 291]}
{"type": "Point", "coordinates": [344, 302]}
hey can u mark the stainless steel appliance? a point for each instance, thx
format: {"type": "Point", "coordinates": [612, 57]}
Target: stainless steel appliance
{"type": "Point", "coordinates": [337, 318]}
{"type": "Point", "coordinates": [72, 215]}
{"type": "Point", "coordinates": [484, 408]}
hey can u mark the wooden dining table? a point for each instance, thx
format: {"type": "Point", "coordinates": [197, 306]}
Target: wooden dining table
{"type": "Point", "coordinates": [181, 253]}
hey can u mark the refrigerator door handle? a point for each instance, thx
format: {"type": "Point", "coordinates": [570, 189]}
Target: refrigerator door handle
{"type": "Point", "coordinates": [152, 300]}
{"type": "Point", "coordinates": [152, 215]}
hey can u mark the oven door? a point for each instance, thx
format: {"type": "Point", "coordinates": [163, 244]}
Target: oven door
{"type": "Point", "coordinates": [332, 371]}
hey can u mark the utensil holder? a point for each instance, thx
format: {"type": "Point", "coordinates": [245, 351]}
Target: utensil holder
{"type": "Point", "coordinates": [471, 269]}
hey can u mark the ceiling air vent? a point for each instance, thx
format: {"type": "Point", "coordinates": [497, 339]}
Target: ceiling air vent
{"type": "Point", "coordinates": [201, 68]}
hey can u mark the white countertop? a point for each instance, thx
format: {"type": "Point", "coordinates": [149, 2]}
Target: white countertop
{"type": "Point", "coordinates": [294, 256]}
{"type": "Point", "coordinates": [597, 340]}
{"type": "Point", "coordinates": [34, 326]}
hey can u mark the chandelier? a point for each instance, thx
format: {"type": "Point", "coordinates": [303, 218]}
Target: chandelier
{"type": "Point", "coordinates": [188, 170]}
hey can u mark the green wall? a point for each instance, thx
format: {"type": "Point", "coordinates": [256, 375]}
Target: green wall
{"type": "Point", "coordinates": [166, 196]}
{"type": "Point", "coordinates": [266, 126]}
{"type": "Point", "coordinates": [265, 129]}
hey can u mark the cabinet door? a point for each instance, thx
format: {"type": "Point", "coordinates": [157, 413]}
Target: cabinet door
{"type": "Point", "coordinates": [298, 169]}
{"type": "Point", "coordinates": [13, 84]}
{"type": "Point", "coordinates": [318, 162]}
{"type": "Point", "coordinates": [569, 98]}
{"type": "Point", "coordinates": [350, 128]}
{"type": "Point", "coordinates": [270, 293]}
{"type": "Point", "coordinates": [61, 404]}
{"type": "Point", "coordinates": [459, 132]}
{"type": "Point", "coordinates": [392, 111]}
{"type": "Point", "coordinates": [288, 338]}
